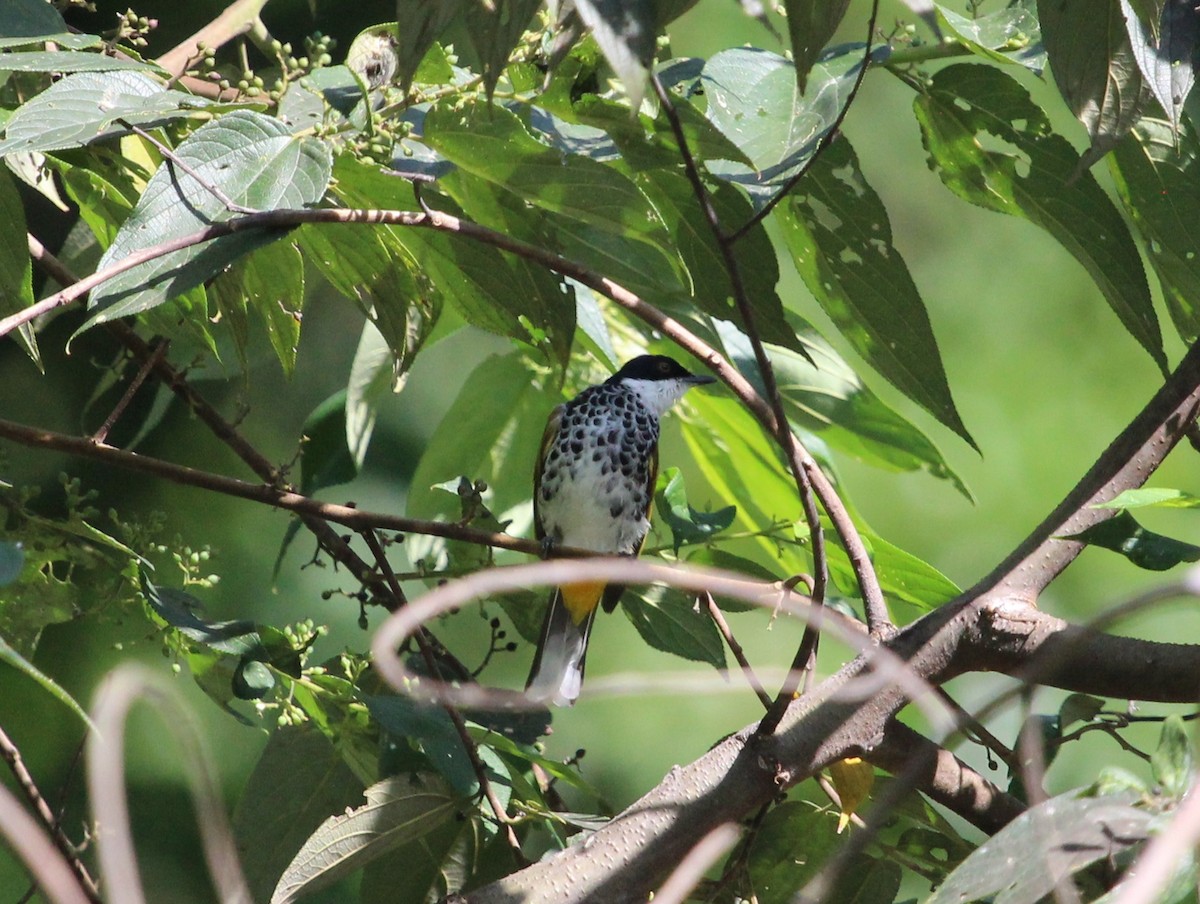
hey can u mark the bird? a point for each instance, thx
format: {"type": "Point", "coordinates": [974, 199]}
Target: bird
{"type": "Point", "coordinates": [593, 488]}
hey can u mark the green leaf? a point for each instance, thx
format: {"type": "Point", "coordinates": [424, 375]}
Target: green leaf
{"type": "Point", "coordinates": [327, 458]}
{"type": "Point", "coordinates": [494, 30]}
{"type": "Point", "coordinates": [255, 162]}
{"type": "Point", "coordinates": [1167, 59]}
{"type": "Point", "coordinates": [823, 394]}
{"type": "Point", "coordinates": [1171, 762]}
{"type": "Point", "coordinates": [670, 620]}
{"type": "Point", "coordinates": [1151, 496]}
{"type": "Point", "coordinates": [272, 283]}
{"type": "Point", "coordinates": [792, 844]}
{"type": "Point", "coordinates": [423, 23]}
{"type": "Point", "coordinates": [625, 31]}
{"type": "Point", "coordinates": [85, 107]}
{"type": "Point", "coordinates": [492, 143]}
{"type": "Point", "coordinates": [67, 61]}
{"type": "Point", "coordinates": [687, 525]}
{"type": "Point", "coordinates": [1145, 549]}
{"type": "Point", "coordinates": [371, 381]}
{"type": "Point", "coordinates": [841, 242]}
{"type": "Point", "coordinates": [16, 275]}
{"type": "Point", "coordinates": [428, 869]}
{"type": "Point", "coordinates": [431, 733]}
{"type": "Point", "coordinates": [1156, 172]}
{"type": "Point", "coordinates": [1086, 829]}
{"type": "Point", "coordinates": [902, 576]}
{"type": "Point", "coordinates": [1094, 68]}
{"type": "Point", "coordinates": [398, 810]}
{"type": "Point", "coordinates": [811, 24]}
{"type": "Point", "coordinates": [298, 781]}
{"type": "Point", "coordinates": [715, 557]}
{"type": "Point", "coordinates": [490, 289]}
{"type": "Point", "coordinates": [1008, 35]}
{"type": "Point", "coordinates": [970, 108]}
{"type": "Point", "coordinates": [754, 98]}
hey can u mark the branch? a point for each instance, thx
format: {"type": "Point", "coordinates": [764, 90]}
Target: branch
{"type": "Point", "coordinates": [45, 863]}
{"type": "Point", "coordinates": [355, 519]}
{"type": "Point", "coordinates": [12, 755]}
{"type": "Point", "coordinates": [237, 19]}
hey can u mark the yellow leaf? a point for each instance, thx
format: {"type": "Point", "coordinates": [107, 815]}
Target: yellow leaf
{"type": "Point", "coordinates": [852, 778]}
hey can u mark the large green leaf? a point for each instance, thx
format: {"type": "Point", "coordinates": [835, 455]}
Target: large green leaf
{"type": "Point", "coordinates": [398, 810]}
{"type": "Point", "coordinates": [492, 143]}
{"type": "Point", "coordinates": [792, 844]}
{"type": "Point", "coordinates": [753, 97]}
{"type": "Point", "coordinates": [841, 242]}
{"type": "Point", "coordinates": [255, 162]}
{"type": "Point", "coordinates": [30, 19]}
{"type": "Point", "coordinates": [1157, 171]}
{"type": "Point", "coordinates": [1094, 68]}
{"type": "Point", "coordinates": [297, 783]}
{"type": "Point", "coordinates": [1083, 830]}
{"type": "Point", "coordinates": [423, 23]}
{"type": "Point", "coordinates": [270, 282]}
{"type": "Point", "coordinates": [85, 107]}
{"type": "Point", "coordinates": [966, 111]}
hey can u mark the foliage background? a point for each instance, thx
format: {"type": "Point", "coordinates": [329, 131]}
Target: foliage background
{"type": "Point", "coordinates": [1042, 372]}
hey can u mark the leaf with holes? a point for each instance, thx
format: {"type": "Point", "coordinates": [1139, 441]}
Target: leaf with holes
{"type": "Point", "coordinates": [841, 242]}
{"type": "Point", "coordinates": [1157, 171]}
{"type": "Point", "coordinates": [992, 146]}
{"type": "Point", "coordinates": [1009, 35]}
{"type": "Point", "coordinates": [253, 161]}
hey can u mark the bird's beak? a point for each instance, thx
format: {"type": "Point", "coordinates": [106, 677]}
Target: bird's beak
{"type": "Point", "coordinates": [701, 379]}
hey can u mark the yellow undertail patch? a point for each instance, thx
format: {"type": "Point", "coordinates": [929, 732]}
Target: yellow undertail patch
{"type": "Point", "coordinates": [582, 598]}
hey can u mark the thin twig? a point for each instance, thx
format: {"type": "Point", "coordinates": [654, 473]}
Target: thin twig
{"type": "Point", "coordinates": [460, 726]}
{"type": "Point", "coordinates": [827, 139]}
{"type": "Point", "coordinates": [16, 765]}
{"type": "Point", "coordinates": [138, 379]}
{"type": "Point", "coordinates": [735, 648]}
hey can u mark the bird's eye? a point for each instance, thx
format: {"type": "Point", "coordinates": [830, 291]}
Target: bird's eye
{"type": "Point", "coordinates": [663, 367]}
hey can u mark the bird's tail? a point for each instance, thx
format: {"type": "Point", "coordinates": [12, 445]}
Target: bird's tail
{"type": "Point", "coordinates": [557, 672]}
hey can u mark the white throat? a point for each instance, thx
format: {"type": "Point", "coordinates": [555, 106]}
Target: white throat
{"type": "Point", "coordinates": [657, 395]}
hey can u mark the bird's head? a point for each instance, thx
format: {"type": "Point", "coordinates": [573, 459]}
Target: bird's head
{"type": "Point", "coordinates": [659, 381]}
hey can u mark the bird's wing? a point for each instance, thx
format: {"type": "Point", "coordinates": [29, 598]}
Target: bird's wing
{"type": "Point", "coordinates": [548, 437]}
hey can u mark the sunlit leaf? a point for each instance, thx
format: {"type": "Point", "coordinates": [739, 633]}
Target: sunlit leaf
{"type": "Point", "coordinates": [625, 32]}
{"type": "Point", "coordinates": [1007, 35]}
{"type": "Point", "coordinates": [254, 161]}
{"type": "Point", "coordinates": [1143, 497]}
{"type": "Point", "coordinates": [811, 24]}
{"type": "Point", "coordinates": [66, 61]}
{"type": "Point", "coordinates": [992, 146]}
{"type": "Point", "coordinates": [1173, 758]}
{"type": "Point", "coordinates": [687, 525]}
{"type": "Point", "coordinates": [86, 107]}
